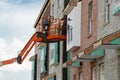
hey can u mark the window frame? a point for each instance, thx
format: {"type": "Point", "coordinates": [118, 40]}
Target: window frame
{"type": "Point", "coordinates": [107, 11]}
{"type": "Point", "coordinates": [53, 9]}
{"type": "Point", "coordinates": [116, 1]}
{"type": "Point", "coordinates": [59, 6]}
{"type": "Point", "coordinates": [80, 76]}
{"type": "Point", "coordinates": [69, 32]}
{"type": "Point", "coordinates": [75, 77]}
{"type": "Point", "coordinates": [94, 73]}
{"type": "Point", "coordinates": [43, 59]}
{"type": "Point", "coordinates": [51, 47]}
{"type": "Point", "coordinates": [90, 18]}
{"type": "Point", "coordinates": [54, 56]}
{"type": "Point", "coordinates": [101, 74]}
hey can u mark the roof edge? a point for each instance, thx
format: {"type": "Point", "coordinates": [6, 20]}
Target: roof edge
{"type": "Point", "coordinates": [40, 14]}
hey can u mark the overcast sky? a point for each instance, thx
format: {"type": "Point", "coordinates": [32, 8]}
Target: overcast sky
{"type": "Point", "coordinates": [17, 18]}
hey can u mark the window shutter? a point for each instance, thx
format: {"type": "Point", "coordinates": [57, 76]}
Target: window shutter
{"type": "Point", "coordinates": [68, 73]}
{"type": "Point", "coordinates": [56, 53]}
{"type": "Point", "coordinates": [68, 69]}
{"type": "Point", "coordinates": [68, 55]}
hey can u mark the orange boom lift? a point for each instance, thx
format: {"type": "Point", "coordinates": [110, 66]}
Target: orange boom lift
{"type": "Point", "coordinates": [52, 31]}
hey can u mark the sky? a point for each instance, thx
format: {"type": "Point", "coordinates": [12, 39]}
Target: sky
{"type": "Point", "coordinates": [17, 18]}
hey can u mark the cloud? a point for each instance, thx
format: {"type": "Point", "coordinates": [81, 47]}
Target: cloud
{"type": "Point", "coordinates": [16, 28]}
{"type": "Point", "coordinates": [15, 75]}
{"type": "Point", "coordinates": [16, 19]}
{"type": "Point", "coordinates": [9, 50]}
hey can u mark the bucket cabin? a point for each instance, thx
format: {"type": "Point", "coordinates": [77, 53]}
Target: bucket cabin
{"type": "Point", "coordinates": [52, 30]}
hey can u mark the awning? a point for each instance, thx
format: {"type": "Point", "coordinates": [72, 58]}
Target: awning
{"type": "Point", "coordinates": [111, 41]}
{"type": "Point", "coordinates": [97, 50]}
{"type": "Point", "coordinates": [71, 64]}
{"type": "Point", "coordinates": [89, 54]}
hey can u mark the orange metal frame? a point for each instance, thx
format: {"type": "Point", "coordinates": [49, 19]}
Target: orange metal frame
{"type": "Point", "coordinates": [55, 25]}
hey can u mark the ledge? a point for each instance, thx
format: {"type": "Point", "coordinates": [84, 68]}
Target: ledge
{"type": "Point", "coordinates": [70, 6]}
{"type": "Point", "coordinates": [111, 41]}
{"type": "Point", "coordinates": [96, 50]}
{"type": "Point", "coordinates": [71, 64]}
{"type": "Point", "coordinates": [49, 76]}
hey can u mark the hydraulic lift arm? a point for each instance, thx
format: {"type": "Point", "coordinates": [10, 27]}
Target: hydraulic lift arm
{"type": "Point", "coordinates": [10, 61]}
{"type": "Point", "coordinates": [23, 54]}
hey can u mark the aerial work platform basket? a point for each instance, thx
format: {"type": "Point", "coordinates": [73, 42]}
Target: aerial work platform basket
{"type": "Point", "coordinates": [52, 30]}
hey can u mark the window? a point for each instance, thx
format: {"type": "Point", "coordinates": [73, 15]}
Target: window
{"type": "Point", "coordinates": [102, 72]}
{"type": "Point", "coordinates": [94, 73]}
{"type": "Point", "coordinates": [42, 54]}
{"type": "Point", "coordinates": [107, 10]}
{"type": "Point", "coordinates": [53, 53]}
{"type": "Point", "coordinates": [43, 59]}
{"type": "Point", "coordinates": [53, 9]}
{"type": "Point", "coordinates": [70, 31]}
{"type": "Point", "coordinates": [58, 8]}
{"type": "Point", "coordinates": [81, 77]}
{"type": "Point", "coordinates": [90, 18]}
{"type": "Point", "coordinates": [75, 77]}
{"type": "Point", "coordinates": [116, 0]}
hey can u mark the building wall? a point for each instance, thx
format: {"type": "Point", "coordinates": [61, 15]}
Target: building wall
{"type": "Point", "coordinates": [111, 59]}
{"type": "Point", "coordinates": [86, 39]}
{"type": "Point", "coordinates": [57, 14]}
{"type": "Point", "coordinates": [74, 72]}
{"type": "Point", "coordinates": [106, 28]}
{"type": "Point", "coordinates": [111, 65]}
{"type": "Point", "coordinates": [58, 67]}
{"type": "Point", "coordinates": [100, 29]}
{"type": "Point", "coordinates": [119, 65]}
{"type": "Point", "coordinates": [86, 69]}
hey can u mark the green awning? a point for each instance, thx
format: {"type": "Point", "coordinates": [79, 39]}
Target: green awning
{"type": "Point", "coordinates": [76, 64]}
{"type": "Point", "coordinates": [115, 41]}
{"type": "Point", "coordinates": [98, 52]}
